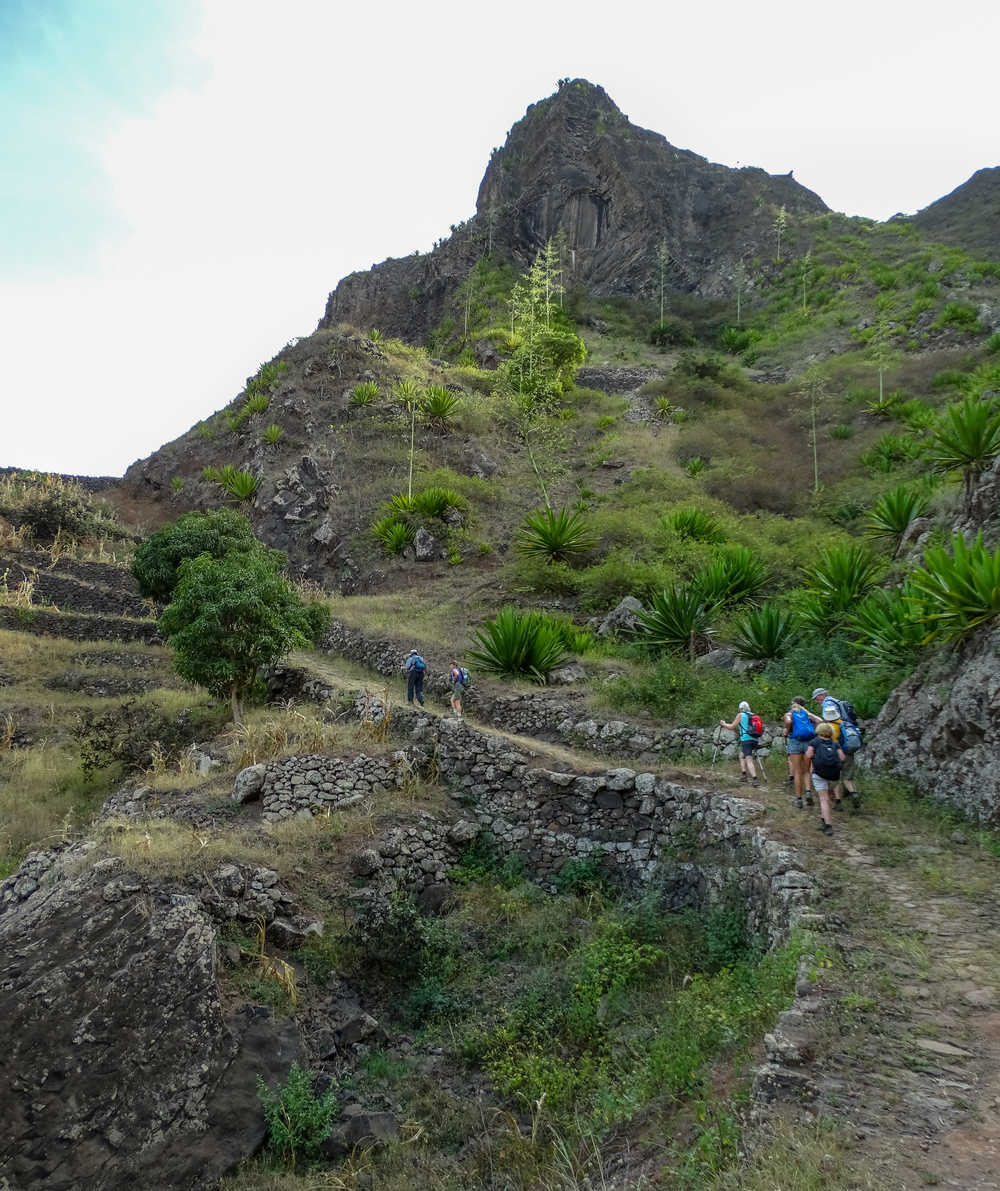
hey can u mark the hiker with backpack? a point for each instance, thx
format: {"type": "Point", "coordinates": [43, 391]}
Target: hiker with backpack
{"type": "Point", "coordinates": [459, 685]}
{"type": "Point", "coordinates": [750, 728]}
{"type": "Point", "coordinates": [825, 757]}
{"type": "Point", "coordinates": [800, 731]}
{"type": "Point", "coordinates": [844, 719]}
{"type": "Point", "coordinates": [414, 668]}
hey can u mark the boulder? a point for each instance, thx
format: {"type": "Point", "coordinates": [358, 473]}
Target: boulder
{"type": "Point", "coordinates": [622, 619]}
{"type": "Point", "coordinates": [425, 546]}
{"type": "Point", "coordinates": [121, 1066]}
{"type": "Point", "coordinates": [565, 675]}
{"type": "Point", "coordinates": [716, 659]}
{"type": "Point", "coordinates": [249, 783]}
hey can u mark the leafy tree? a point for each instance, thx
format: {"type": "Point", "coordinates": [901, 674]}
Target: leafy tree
{"type": "Point", "coordinates": [969, 440]}
{"type": "Point", "coordinates": [229, 616]}
{"type": "Point", "coordinates": [218, 533]}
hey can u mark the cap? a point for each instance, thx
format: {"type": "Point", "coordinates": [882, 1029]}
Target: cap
{"type": "Point", "coordinates": [411, 653]}
{"type": "Point", "coordinates": [820, 690]}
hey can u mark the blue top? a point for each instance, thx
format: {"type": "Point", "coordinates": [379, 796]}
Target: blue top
{"type": "Point", "coordinates": [745, 727]}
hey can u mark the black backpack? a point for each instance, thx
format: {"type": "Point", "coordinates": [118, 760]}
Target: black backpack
{"type": "Point", "coordinates": [825, 760]}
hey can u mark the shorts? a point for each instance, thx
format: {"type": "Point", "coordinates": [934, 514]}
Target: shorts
{"type": "Point", "coordinates": [747, 747]}
{"type": "Point", "coordinates": [457, 690]}
{"type": "Point", "coordinates": [823, 783]}
{"type": "Point", "coordinates": [793, 745]}
{"type": "Point", "coordinates": [846, 767]}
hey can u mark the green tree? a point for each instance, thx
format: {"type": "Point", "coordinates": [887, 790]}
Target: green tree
{"type": "Point", "coordinates": [159, 558]}
{"type": "Point", "coordinates": [228, 617]}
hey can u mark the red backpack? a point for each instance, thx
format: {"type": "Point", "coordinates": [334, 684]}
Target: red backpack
{"type": "Point", "coordinates": [755, 726]}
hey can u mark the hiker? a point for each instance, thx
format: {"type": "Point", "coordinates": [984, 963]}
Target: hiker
{"type": "Point", "coordinates": [826, 757]}
{"type": "Point", "coordinates": [750, 728]}
{"type": "Point", "coordinates": [459, 685]}
{"type": "Point", "coordinates": [414, 668]}
{"type": "Point", "coordinates": [847, 734]}
{"type": "Point", "coordinates": [799, 732]}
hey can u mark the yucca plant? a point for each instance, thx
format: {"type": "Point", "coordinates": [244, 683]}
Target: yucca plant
{"type": "Point", "coordinates": [883, 407]}
{"type": "Point", "coordinates": [242, 485]}
{"type": "Point", "coordinates": [438, 406]}
{"type": "Point", "coordinates": [734, 577]}
{"type": "Point", "coordinates": [677, 618]}
{"type": "Point", "coordinates": [364, 393]}
{"type": "Point", "coordinates": [395, 535]}
{"type": "Point", "coordinates": [843, 576]}
{"type": "Point", "coordinates": [435, 502]}
{"type": "Point", "coordinates": [764, 633]}
{"type": "Point", "coordinates": [271, 434]}
{"type": "Point", "coordinates": [695, 466]}
{"type": "Point", "coordinates": [663, 408]}
{"type": "Point", "coordinates": [888, 625]}
{"type": "Point", "coordinates": [518, 645]}
{"type": "Point", "coordinates": [968, 440]}
{"type": "Point", "coordinates": [893, 513]}
{"type": "Point", "coordinates": [960, 590]}
{"type": "Point", "coordinates": [561, 536]}
{"type": "Point", "coordinates": [256, 403]}
{"type": "Point", "coordinates": [211, 474]}
{"type": "Point", "coordinates": [694, 524]}
{"type": "Point", "coordinates": [841, 431]}
{"type": "Point", "coordinates": [888, 452]}
{"type": "Point", "coordinates": [403, 503]}
{"type": "Point", "coordinates": [813, 611]}
{"type": "Point", "coordinates": [406, 392]}
{"type": "Point", "coordinates": [915, 415]}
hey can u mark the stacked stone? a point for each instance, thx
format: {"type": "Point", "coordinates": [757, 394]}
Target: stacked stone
{"type": "Point", "coordinates": [417, 854]}
{"type": "Point", "coordinates": [312, 785]}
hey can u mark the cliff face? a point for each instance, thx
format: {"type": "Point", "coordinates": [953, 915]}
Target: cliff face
{"type": "Point", "coordinates": [575, 165]}
{"type": "Point", "coordinates": [969, 217]}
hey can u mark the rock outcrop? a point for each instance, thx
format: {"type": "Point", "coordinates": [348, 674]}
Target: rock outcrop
{"type": "Point", "coordinates": [940, 729]}
{"type": "Point", "coordinates": [121, 1067]}
{"type": "Point", "coordinates": [575, 165]}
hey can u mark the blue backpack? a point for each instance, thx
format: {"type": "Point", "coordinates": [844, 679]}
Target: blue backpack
{"type": "Point", "coordinates": [419, 664]}
{"type": "Point", "coordinates": [802, 725]}
{"type": "Point", "coordinates": [850, 737]}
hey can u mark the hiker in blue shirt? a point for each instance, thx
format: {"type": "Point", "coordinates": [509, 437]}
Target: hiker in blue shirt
{"type": "Point", "coordinates": [800, 729]}
{"type": "Point", "coordinates": [744, 724]}
{"type": "Point", "coordinates": [414, 668]}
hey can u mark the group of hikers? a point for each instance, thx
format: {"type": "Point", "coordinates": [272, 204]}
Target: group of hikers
{"type": "Point", "coordinates": [414, 667]}
{"type": "Point", "coordinates": [820, 748]}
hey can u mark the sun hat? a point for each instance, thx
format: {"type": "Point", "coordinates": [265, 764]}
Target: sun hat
{"type": "Point", "coordinates": [744, 706]}
{"type": "Point", "coordinates": [820, 690]}
{"type": "Point", "coordinates": [830, 713]}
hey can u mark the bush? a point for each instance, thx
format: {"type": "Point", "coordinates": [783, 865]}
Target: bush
{"type": "Point", "coordinates": [395, 535]}
{"type": "Point", "coordinates": [888, 626]}
{"type": "Point", "coordinates": [555, 536]}
{"type": "Point", "coordinates": [962, 590]}
{"type": "Point", "coordinates": [695, 524]}
{"type": "Point", "coordinates": [438, 406]}
{"type": "Point", "coordinates": [46, 506]}
{"type": "Point", "coordinates": [764, 633]}
{"type": "Point", "coordinates": [843, 576]}
{"type": "Point", "coordinates": [893, 513]}
{"type": "Point", "coordinates": [888, 452]}
{"type": "Point", "coordinates": [960, 315]}
{"type": "Point", "coordinates": [435, 502]}
{"type": "Point", "coordinates": [518, 645]}
{"type": "Point", "coordinates": [364, 393]}
{"type": "Point", "coordinates": [672, 332]}
{"type": "Point", "coordinates": [272, 434]}
{"type": "Point", "coordinates": [242, 485]}
{"type": "Point", "coordinates": [678, 618]}
{"type": "Point", "coordinates": [158, 560]}
{"type": "Point", "coordinates": [298, 1121]}
{"type": "Point", "coordinates": [734, 577]}
{"type": "Point", "coordinates": [127, 735]}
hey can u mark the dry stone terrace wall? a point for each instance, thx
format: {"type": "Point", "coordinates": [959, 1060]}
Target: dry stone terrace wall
{"type": "Point", "coordinates": [640, 827]}
{"type": "Point", "coordinates": [44, 623]}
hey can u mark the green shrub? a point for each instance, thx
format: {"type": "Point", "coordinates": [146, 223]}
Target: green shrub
{"type": "Point", "coordinates": [364, 393]}
{"type": "Point", "coordinates": [888, 627]}
{"type": "Point", "coordinates": [298, 1121]}
{"type": "Point", "coordinates": [968, 439]}
{"type": "Point", "coordinates": [211, 474]}
{"type": "Point", "coordinates": [561, 536]}
{"type": "Point", "coordinates": [47, 505]}
{"type": "Point", "coordinates": [672, 332]}
{"type": "Point", "coordinates": [888, 452]}
{"type": "Point", "coordinates": [992, 345]}
{"type": "Point", "coordinates": [738, 339]}
{"type": "Point", "coordinates": [177, 484]}
{"type": "Point", "coordinates": [518, 645]}
{"type": "Point", "coordinates": [764, 633]}
{"type": "Point", "coordinates": [485, 862]}
{"type": "Point", "coordinates": [841, 431]}
{"type": "Point", "coordinates": [695, 465]}
{"type": "Point", "coordinates": [843, 576]}
{"type": "Point", "coordinates": [395, 535]}
{"type": "Point", "coordinates": [893, 513]}
{"type": "Point", "coordinates": [734, 577]}
{"type": "Point", "coordinates": [435, 502]}
{"type": "Point", "coordinates": [241, 485]}
{"type": "Point", "coordinates": [884, 407]}
{"type": "Point", "coordinates": [962, 590]}
{"type": "Point", "coordinates": [960, 315]}
{"type": "Point", "coordinates": [257, 403]}
{"type": "Point", "coordinates": [678, 617]}
{"type": "Point", "coordinates": [695, 524]}
{"type": "Point", "coordinates": [158, 560]}
{"type": "Point", "coordinates": [915, 415]}
{"type": "Point", "coordinates": [272, 434]}
{"type": "Point", "coordinates": [439, 405]}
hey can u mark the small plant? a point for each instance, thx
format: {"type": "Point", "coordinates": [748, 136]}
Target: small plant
{"type": "Point", "coordinates": [555, 536]}
{"type": "Point", "coordinates": [734, 577]}
{"type": "Point", "coordinates": [884, 406]}
{"type": "Point", "coordinates": [403, 503]}
{"type": "Point", "coordinates": [968, 440]}
{"type": "Point", "coordinates": [375, 335]}
{"type": "Point", "coordinates": [962, 590]}
{"type": "Point", "coordinates": [395, 535]}
{"type": "Point", "coordinates": [272, 434]}
{"type": "Point", "coordinates": [663, 408]}
{"type": "Point", "coordinates": [841, 431]}
{"type": "Point", "coordinates": [257, 403]}
{"type": "Point", "coordinates": [915, 415]}
{"type": "Point", "coordinates": [843, 576]}
{"type": "Point", "coordinates": [960, 315]}
{"type": "Point", "coordinates": [211, 475]}
{"type": "Point", "coordinates": [677, 618]}
{"type": "Point", "coordinates": [888, 452]}
{"type": "Point", "coordinates": [435, 502]}
{"type": "Point", "coordinates": [695, 466]}
{"type": "Point", "coordinates": [518, 645]}
{"type": "Point", "coordinates": [438, 406]}
{"type": "Point", "coordinates": [364, 393]}
{"type": "Point", "coordinates": [888, 625]}
{"type": "Point", "coordinates": [241, 485]}
{"type": "Point", "coordinates": [177, 485]}
{"type": "Point", "coordinates": [894, 512]}
{"type": "Point", "coordinates": [694, 524]}
{"type": "Point", "coordinates": [764, 633]}
{"type": "Point", "coordinates": [298, 1121]}
{"type": "Point", "coordinates": [407, 393]}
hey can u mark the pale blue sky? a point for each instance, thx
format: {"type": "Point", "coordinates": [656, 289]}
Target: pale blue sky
{"type": "Point", "coordinates": [183, 181]}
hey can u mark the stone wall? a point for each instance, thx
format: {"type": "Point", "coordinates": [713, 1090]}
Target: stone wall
{"type": "Point", "coordinates": [70, 585]}
{"type": "Point", "coordinates": [44, 623]}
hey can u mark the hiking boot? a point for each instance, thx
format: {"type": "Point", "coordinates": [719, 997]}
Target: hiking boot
{"type": "Point", "coordinates": [809, 800]}
{"type": "Point", "coordinates": [791, 779]}
{"type": "Point", "coordinates": [754, 782]}
{"type": "Point", "coordinates": [798, 804]}
{"type": "Point", "coordinates": [827, 829]}
{"type": "Point", "coordinates": [743, 778]}
{"type": "Point", "coordinates": [838, 804]}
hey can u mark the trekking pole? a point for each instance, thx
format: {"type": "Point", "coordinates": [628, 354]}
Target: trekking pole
{"type": "Point", "coordinates": [760, 762]}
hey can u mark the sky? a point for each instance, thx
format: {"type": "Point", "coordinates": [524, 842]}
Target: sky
{"type": "Point", "coordinates": [182, 182]}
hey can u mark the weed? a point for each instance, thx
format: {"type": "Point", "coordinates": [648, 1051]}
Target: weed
{"type": "Point", "coordinates": [298, 1120]}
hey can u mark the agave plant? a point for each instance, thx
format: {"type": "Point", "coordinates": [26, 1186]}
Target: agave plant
{"type": "Point", "coordinates": [403, 503]}
{"type": "Point", "coordinates": [435, 502]}
{"type": "Point", "coordinates": [695, 466]}
{"type": "Point", "coordinates": [406, 392]}
{"type": "Point", "coordinates": [256, 403]}
{"type": "Point", "coordinates": [395, 535]}
{"type": "Point", "coordinates": [677, 618]}
{"type": "Point", "coordinates": [894, 512]}
{"type": "Point", "coordinates": [555, 536]}
{"type": "Point", "coordinates": [364, 393]}
{"type": "Point", "coordinates": [242, 485]}
{"type": "Point", "coordinates": [212, 474]}
{"type": "Point", "coordinates": [272, 434]}
{"type": "Point", "coordinates": [883, 407]}
{"type": "Point", "coordinates": [439, 405]}
{"type": "Point", "coordinates": [519, 645]}
{"type": "Point", "coordinates": [843, 576]}
{"type": "Point", "coordinates": [694, 524]}
{"type": "Point", "coordinates": [734, 577]}
{"type": "Point", "coordinates": [812, 610]}
{"type": "Point", "coordinates": [968, 440]}
{"type": "Point", "coordinates": [888, 625]}
{"type": "Point", "coordinates": [961, 590]}
{"type": "Point", "coordinates": [888, 452]}
{"type": "Point", "coordinates": [764, 633]}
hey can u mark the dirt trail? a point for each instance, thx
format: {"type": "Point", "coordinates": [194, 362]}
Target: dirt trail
{"type": "Point", "coordinates": [906, 1049]}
